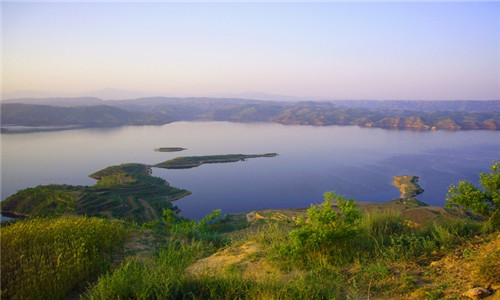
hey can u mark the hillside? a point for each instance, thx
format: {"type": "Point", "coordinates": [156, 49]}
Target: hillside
{"type": "Point", "coordinates": [149, 102]}
{"type": "Point", "coordinates": [127, 191]}
{"type": "Point", "coordinates": [478, 115]}
{"type": "Point", "coordinates": [384, 253]}
{"type": "Point", "coordinates": [84, 116]}
{"type": "Point", "coordinates": [427, 105]}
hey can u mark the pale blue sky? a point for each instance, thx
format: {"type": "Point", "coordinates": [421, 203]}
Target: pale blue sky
{"type": "Point", "coordinates": [334, 50]}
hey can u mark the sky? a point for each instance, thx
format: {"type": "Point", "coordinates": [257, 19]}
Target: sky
{"type": "Point", "coordinates": [325, 50]}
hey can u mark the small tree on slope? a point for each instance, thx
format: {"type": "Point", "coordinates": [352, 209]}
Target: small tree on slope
{"type": "Point", "coordinates": [483, 202]}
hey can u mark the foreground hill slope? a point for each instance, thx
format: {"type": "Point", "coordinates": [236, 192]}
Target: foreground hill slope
{"type": "Point", "coordinates": [400, 249]}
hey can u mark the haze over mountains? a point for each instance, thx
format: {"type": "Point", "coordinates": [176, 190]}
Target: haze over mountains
{"type": "Point", "coordinates": [105, 94]}
{"type": "Point", "coordinates": [95, 112]}
{"type": "Point", "coordinates": [121, 94]}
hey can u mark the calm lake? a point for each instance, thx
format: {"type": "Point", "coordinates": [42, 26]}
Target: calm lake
{"type": "Point", "coordinates": [356, 162]}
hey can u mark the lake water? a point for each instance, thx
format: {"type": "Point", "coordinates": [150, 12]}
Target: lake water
{"type": "Point", "coordinates": [356, 162]}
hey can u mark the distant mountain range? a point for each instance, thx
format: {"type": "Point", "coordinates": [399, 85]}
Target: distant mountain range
{"type": "Point", "coordinates": [95, 112]}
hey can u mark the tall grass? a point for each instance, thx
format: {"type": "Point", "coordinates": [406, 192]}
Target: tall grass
{"type": "Point", "coordinates": [47, 258]}
{"type": "Point", "coordinates": [381, 224]}
{"type": "Point", "coordinates": [159, 277]}
{"type": "Point", "coordinates": [365, 265]}
{"type": "Point", "coordinates": [163, 277]}
{"type": "Point", "coordinates": [329, 257]}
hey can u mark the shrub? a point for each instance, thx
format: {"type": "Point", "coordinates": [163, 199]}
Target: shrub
{"type": "Point", "coordinates": [409, 246]}
{"type": "Point", "coordinates": [483, 202]}
{"type": "Point", "coordinates": [183, 228]}
{"type": "Point", "coordinates": [325, 230]}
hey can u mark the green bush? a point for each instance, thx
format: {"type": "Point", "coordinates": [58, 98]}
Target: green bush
{"type": "Point", "coordinates": [408, 246]}
{"type": "Point", "coordinates": [485, 202]}
{"type": "Point", "coordinates": [183, 228]}
{"type": "Point", "coordinates": [325, 230]}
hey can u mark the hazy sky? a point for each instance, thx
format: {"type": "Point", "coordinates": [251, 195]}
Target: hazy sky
{"type": "Point", "coordinates": [335, 50]}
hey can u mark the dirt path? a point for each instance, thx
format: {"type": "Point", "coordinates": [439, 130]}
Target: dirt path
{"type": "Point", "coordinates": [246, 260]}
{"type": "Point", "coordinates": [143, 243]}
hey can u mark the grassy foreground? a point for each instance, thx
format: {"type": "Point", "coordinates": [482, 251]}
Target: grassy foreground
{"type": "Point", "coordinates": [48, 258]}
{"type": "Point", "coordinates": [335, 252]}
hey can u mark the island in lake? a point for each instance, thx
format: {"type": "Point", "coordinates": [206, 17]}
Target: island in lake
{"type": "Point", "coordinates": [169, 149]}
{"type": "Point", "coordinates": [407, 185]}
{"type": "Point", "coordinates": [187, 162]}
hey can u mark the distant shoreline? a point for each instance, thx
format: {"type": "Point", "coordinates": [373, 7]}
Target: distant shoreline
{"type": "Point", "coordinates": [23, 115]}
{"type": "Point", "coordinates": [29, 129]}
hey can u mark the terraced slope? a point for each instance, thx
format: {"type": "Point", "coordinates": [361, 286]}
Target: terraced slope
{"type": "Point", "coordinates": [126, 191]}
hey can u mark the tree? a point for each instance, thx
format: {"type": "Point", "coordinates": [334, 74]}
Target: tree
{"type": "Point", "coordinates": [486, 201]}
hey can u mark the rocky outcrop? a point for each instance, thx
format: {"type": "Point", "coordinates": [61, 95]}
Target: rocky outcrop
{"type": "Point", "coordinates": [477, 293]}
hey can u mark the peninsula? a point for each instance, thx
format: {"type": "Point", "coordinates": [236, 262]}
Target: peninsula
{"type": "Point", "coordinates": [126, 191]}
{"type": "Point", "coordinates": [187, 162]}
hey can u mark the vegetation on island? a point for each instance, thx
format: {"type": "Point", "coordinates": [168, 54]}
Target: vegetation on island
{"type": "Point", "coordinates": [339, 249]}
{"type": "Point", "coordinates": [169, 149]}
{"type": "Point", "coordinates": [413, 115]}
{"type": "Point", "coordinates": [127, 191]}
{"type": "Point", "coordinates": [186, 162]}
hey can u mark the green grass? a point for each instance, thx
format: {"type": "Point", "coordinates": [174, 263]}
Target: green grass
{"type": "Point", "coordinates": [42, 201]}
{"type": "Point", "coordinates": [158, 277]}
{"type": "Point", "coordinates": [162, 277]}
{"type": "Point", "coordinates": [374, 253]}
{"type": "Point", "coordinates": [47, 258]}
